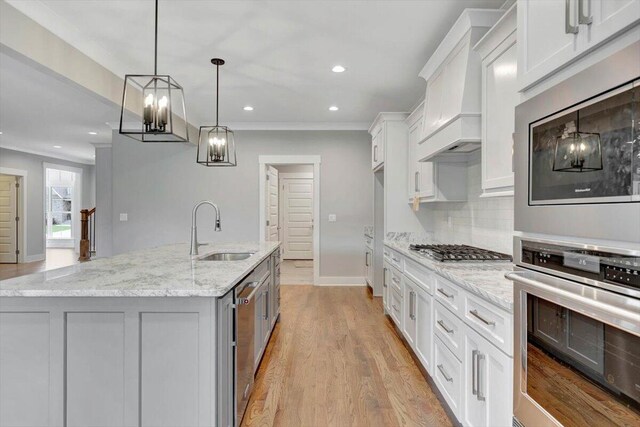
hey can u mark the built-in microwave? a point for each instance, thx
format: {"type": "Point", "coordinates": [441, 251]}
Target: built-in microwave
{"type": "Point", "coordinates": [589, 152]}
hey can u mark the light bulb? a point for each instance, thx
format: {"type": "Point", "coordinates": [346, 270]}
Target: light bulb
{"type": "Point", "coordinates": [211, 141]}
{"type": "Point", "coordinates": [582, 146]}
{"type": "Point", "coordinates": [218, 141]}
{"type": "Point", "coordinates": [572, 148]}
{"type": "Point", "coordinates": [163, 102]}
{"type": "Point", "coordinates": [148, 101]}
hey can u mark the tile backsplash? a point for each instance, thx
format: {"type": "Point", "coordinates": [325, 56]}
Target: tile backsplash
{"type": "Point", "coordinates": [480, 221]}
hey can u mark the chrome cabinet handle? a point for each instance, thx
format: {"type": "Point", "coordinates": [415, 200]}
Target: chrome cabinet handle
{"type": "Point", "coordinates": [375, 153]}
{"type": "Point", "coordinates": [482, 319]}
{"type": "Point", "coordinates": [395, 259]}
{"type": "Point", "coordinates": [412, 309]}
{"type": "Point", "coordinates": [479, 358]}
{"type": "Point", "coordinates": [396, 281]}
{"type": "Point", "coordinates": [582, 18]}
{"type": "Point", "coordinates": [394, 307]}
{"type": "Point", "coordinates": [444, 374]}
{"type": "Point", "coordinates": [474, 387]}
{"type": "Point", "coordinates": [568, 28]}
{"type": "Point", "coordinates": [444, 293]}
{"type": "Point", "coordinates": [416, 178]}
{"type": "Point", "coordinates": [384, 277]}
{"type": "Point", "coordinates": [366, 259]}
{"type": "Point", "coordinates": [445, 327]}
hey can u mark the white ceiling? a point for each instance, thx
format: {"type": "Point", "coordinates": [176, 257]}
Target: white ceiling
{"type": "Point", "coordinates": [39, 111]}
{"type": "Point", "coordinates": [279, 53]}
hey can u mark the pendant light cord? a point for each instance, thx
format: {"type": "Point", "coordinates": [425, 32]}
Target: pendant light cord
{"type": "Point", "coordinates": [155, 51]}
{"type": "Point", "coordinates": [217, 90]}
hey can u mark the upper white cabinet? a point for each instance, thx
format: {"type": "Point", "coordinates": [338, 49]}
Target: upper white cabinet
{"type": "Point", "coordinates": [452, 100]}
{"type": "Point", "coordinates": [377, 146]}
{"type": "Point", "coordinates": [554, 33]}
{"type": "Point", "coordinates": [498, 50]}
{"type": "Point", "coordinates": [420, 178]}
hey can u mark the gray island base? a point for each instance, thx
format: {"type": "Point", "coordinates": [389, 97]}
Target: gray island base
{"type": "Point", "coordinates": [139, 339]}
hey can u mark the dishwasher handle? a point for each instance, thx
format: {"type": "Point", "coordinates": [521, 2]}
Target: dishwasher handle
{"type": "Point", "coordinates": [247, 300]}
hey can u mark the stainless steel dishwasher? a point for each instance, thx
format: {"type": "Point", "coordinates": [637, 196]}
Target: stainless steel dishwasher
{"type": "Point", "coordinates": [245, 330]}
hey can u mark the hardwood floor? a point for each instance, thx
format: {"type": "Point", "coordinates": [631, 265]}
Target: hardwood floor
{"type": "Point", "coordinates": [56, 258]}
{"type": "Point", "coordinates": [335, 360]}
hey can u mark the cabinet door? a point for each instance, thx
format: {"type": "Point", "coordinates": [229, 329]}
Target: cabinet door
{"type": "Point", "coordinates": [433, 104]}
{"type": "Point", "coordinates": [545, 44]}
{"type": "Point", "coordinates": [259, 321]}
{"type": "Point", "coordinates": [500, 89]}
{"type": "Point", "coordinates": [413, 169]}
{"type": "Point", "coordinates": [608, 17]}
{"type": "Point", "coordinates": [386, 301]}
{"type": "Point", "coordinates": [409, 311]}
{"type": "Point", "coordinates": [427, 180]}
{"type": "Point", "coordinates": [225, 363]}
{"type": "Point", "coordinates": [488, 378]}
{"type": "Point", "coordinates": [377, 148]}
{"type": "Point", "coordinates": [424, 328]}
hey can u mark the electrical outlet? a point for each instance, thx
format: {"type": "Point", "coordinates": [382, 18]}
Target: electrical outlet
{"type": "Point", "coordinates": [332, 218]}
{"type": "Point", "coordinates": [124, 217]}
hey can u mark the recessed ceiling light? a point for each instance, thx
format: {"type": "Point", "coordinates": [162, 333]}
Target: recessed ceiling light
{"type": "Point", "coordinates": [57, 146]}
{"type": "Point", "coordinates": [338, 69]}
{"type": "Point", "coordinates": [248, 108]}
{"type": "Point", "coordinates": [93, 133]}
{"type": "Point", "coordinates": [333, 108]}
{"type": "Point", "coordinates": [0, 133]}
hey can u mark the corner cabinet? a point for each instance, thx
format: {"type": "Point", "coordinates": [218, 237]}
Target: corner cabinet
{"type": "Point", "coordinates": [498, 50]}
{"type": "Point", "coordinates": [554, 33]}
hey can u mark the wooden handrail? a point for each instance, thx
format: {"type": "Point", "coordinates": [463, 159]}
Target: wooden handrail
{"type": "Point", "coordinates": [87, 234]}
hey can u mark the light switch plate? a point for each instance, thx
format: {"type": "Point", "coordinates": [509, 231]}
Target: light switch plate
{"type": "Point", "coordinates": [124, 217]}
{"type": "Point", "coordinates": [332, 218]}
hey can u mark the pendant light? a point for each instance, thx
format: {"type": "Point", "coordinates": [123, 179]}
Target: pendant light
{"type": "Point", "coordinates": [577, 151]}
{"type": "Point", "coordinates": [216, 145]}
{"type": "Point", "coordinates": [153, 105]}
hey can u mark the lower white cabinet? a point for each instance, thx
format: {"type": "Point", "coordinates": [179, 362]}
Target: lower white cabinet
{"type": "Point", "coordinates": [487, 391]}
{"type": "Point", "coordinates": [409, 311]}
{"type": "Point", "coordinates": [368, 265]}
{"type": "Point", "coordinates": [386, 289]}
{"type": "Point", "coordinates": [448, 376]}
{"type": "Point", "coordinates": [423, 345]}
{"type": "Point", "coordinates": [396, 307]}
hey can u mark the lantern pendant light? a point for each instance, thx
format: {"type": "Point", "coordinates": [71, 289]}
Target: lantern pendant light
{"type": "Point", "coordinates": [577, 151]}
{"type": "Point", "coordinates": [153, 105]}
{"type": "Point", "coordinates": [216, 144]}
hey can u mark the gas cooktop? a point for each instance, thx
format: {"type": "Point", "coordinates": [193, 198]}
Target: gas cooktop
{"type": "Point", "coordinates": [447, 253]}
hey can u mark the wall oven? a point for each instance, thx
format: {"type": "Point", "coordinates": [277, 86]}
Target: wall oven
{"type": "Point", "coordinates": [577, 334]}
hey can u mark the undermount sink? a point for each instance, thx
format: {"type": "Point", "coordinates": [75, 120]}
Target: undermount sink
{"type": "Point", "coordinates": [227, 256]}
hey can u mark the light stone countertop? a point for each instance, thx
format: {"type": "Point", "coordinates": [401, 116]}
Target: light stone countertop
{"type": "Point", "coordinates": [485, 279]}
{"type": "Point", "coordinates": [164, 271]}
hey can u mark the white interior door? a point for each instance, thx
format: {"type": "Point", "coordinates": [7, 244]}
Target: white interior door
{"type": "Point", "coordinates": [8, 214]}
{"type": "Point", "coordinates": [273, 218]}
{"type": "Point", "coordinates": [298, 218]}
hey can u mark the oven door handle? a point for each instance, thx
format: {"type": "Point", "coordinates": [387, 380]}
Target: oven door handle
{"type": "Point", "coordinates": [620, 311]}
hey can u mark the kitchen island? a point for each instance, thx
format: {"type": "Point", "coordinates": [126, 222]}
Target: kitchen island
{"type": "Point", "coordinates": [141, 338]}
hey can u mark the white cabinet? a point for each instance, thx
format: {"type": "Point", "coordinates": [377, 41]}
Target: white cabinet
{"type": "Point", "coordinates": [409, 311]}
{"type": "Point", "coordinates": [420, 178]}
{"type": "Point", "coordinates": [553, 33]}
{"type": "Point", "coordinates": [386, 288]}
{"type": "Point", "coordinates": [368, 263]}
{"type": "Point", "coordinates": [423, 344]}
{"type": "Point", "coordinates": [377, 147]}
{"type": "Point", "coordinates": [500, 96]}
{"type": "Point", "coordinates": [487, 390]}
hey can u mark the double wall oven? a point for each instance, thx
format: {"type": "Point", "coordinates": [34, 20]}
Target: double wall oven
{"type": "Point", "coordinates": [577, 249]}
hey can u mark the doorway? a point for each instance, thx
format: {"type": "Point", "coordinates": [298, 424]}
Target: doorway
{"type": "Point", "coordinates": [63, 199]}
{"type": "Point", "coordinates": [9, 219]}
{"type": "Point", "coordinates": [289, 196]}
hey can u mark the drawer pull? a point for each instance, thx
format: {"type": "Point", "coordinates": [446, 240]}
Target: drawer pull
{"type": "Point", "coordinates": [395, 308]}
{"type": "Point", "coordinates": [442, 291]}
{"type": "Point", "coordinates": [396, 281]}
{"type": "Point", "coordinates": [384, 277]}
{"type": "Point", "coordinates": [445, 327]}
{"type": "Point", "coordinates": [482, 319]}
{"type": "Point", "coordinates": [444, 374]}
{"type": "Point", "coordinates": [395, 259]}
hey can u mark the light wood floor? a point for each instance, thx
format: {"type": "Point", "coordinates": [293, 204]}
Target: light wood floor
{"type": "Point", "coordinates": [56, 258]}
{"type": "Point", "coordinates": [296, 272]}
{"type": "Point", "coordinates": [335, 360]}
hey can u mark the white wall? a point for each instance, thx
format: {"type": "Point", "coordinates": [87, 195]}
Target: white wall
{"type": "Point", "coordinates": [32, 163]}
{"type": "Point", "coordinates": [294, 168]}
{"type": "Point", "coordinates": [157, 186]}
{"type": "Point", "coordinates": [482, 222]}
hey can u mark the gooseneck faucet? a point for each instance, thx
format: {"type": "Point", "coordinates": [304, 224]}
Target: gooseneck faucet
{"type": "Point", "coordinates": [194, 230]}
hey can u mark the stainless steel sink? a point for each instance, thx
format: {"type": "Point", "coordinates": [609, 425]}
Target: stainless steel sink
{"type": "Point", "coordinates": [226, 256]}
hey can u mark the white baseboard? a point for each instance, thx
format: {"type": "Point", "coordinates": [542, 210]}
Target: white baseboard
{"type": "Point", "coordinates": [340, 281]}
{"type": "Point", "coordinates": [34, 258]}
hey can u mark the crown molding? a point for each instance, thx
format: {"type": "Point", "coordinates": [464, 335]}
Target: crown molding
{"type": "Point", "coordinates": [46, 154]}
{"type": "Point", "coordinates": [345, 126]}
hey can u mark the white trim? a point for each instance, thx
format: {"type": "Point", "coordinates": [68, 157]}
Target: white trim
{"type": "Point", "coordinates": [298, 125]}
{"type": "Point", "coordinates": [47, 154]}
{"type": "Point", "coordinates": [263, 161]}
{"type": "Point", "coordinates": [22, 213]}
{"type": "Point", "coordinates": [296, 175]}
{"type": "Point", "coordinates": [341, 281]}
{"type": "Point", "coordinates": [34, 258]}
{"type": "Point", "coordinates": [77, 197]}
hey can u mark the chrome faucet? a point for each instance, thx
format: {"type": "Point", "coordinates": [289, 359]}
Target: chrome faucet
{"type": "Point", "coordinates": [194, 231]}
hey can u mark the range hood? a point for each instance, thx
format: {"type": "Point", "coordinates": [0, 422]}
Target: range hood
{"type": "Point", "coordinates": [452, 109]}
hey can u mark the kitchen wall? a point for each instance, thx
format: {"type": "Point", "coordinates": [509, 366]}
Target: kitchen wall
{"type": "Point", "coordinates": [157, 186]}
{"type": "Point", "coordinates": [482, 222]}
{"type": "Point", "coordinates": [32, 163]}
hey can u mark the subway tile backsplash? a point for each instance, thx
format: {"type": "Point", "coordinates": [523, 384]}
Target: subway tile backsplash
{"type": "Point", "coordinates": [482, 222]}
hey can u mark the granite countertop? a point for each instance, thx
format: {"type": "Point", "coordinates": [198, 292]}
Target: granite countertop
{"type": "Point", "coordinates": [485, 279]}
{"type": "Point", "coordinates": [165, 271]}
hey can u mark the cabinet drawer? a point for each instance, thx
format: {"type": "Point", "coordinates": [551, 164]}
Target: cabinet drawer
{"type": "Point", "coordinates": [489, 321]}
{"type": "Point", "coordinates": [386, 252]}
{"type": "Point", "coordinates": [449, 294]}
{"type": "Point", "coordinates": [397, 261]}
{"type": "Point", "coordinates": [368, 242]}
{"type": "Point", "coordinates": [262, 270]}
{"type": "Point", "coordinates": [449, 328]}
{"type": "Point", "coordinates": [396, 307]}
{"type": "Point", "coordinates": [395, 280]}
{"type": "Point", "coordinates": [448, 376]}
{"type": "Point", "coordinates": [420, 275]}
